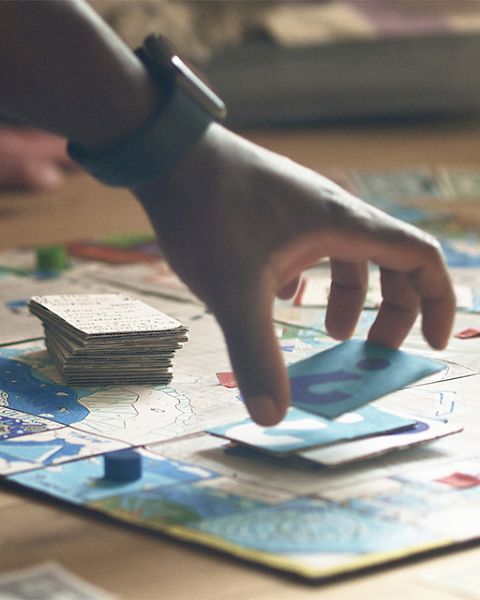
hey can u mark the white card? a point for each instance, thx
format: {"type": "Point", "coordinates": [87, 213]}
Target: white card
{"type": "Point", "coordinates": [426, 430]}
{"type": "Point", "coordinates": [96, 314]}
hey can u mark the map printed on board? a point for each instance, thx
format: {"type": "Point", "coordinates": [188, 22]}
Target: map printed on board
{"type": "Point", "coordinates": [200, 488]}
{"type": "Point", "coordinates": [287, 511]}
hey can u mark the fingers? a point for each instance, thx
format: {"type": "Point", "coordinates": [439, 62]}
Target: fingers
{"type": "Point", "coordinates": [414, 276]}
{"type": "Point", "coordinates": [255, 354]}
{"type": "Point", "coordinates": [347, 296]}
{"type": "Point", "coordinates": [438, 303]}
{"type": "Point", "coordinates": [398, 310]}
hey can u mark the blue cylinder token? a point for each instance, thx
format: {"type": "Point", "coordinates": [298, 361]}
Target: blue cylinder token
{"type": "Point", "coordinates": [123, 465]}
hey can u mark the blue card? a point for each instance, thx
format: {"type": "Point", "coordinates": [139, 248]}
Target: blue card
{"type": "Point", "coordinates": [352, 374]}
{"type": "Point", "coordinates": [300, 430]}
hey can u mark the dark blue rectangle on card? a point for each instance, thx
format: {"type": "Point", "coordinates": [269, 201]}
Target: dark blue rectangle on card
{"type": "Point", "coordinates": [353, 374]}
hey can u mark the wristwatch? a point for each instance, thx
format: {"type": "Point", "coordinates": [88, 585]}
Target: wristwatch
{"type": "Point", "coordinates": [157, 146]}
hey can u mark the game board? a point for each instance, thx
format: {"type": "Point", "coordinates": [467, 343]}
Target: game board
{"type": "Point", "coordinates": [284, 512]}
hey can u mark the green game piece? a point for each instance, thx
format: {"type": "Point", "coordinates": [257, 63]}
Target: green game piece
{"type": "Point", "coordinates": [52, 259]}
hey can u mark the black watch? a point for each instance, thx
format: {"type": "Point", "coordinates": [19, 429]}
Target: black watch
{"type": "Point", "coordinates": [158, 145]}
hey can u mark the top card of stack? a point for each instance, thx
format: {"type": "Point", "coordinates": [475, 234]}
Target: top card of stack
{"type": "Point", "coordinates": [98, 339]}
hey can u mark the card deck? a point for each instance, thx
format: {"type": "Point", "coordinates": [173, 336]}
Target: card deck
{"type": "Point", "coordinates": [98, 339]}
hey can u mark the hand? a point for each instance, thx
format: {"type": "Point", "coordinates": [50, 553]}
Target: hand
{"type": "Point", "coordinates": [31, 159]}
{"type": "Point", "coordinates": [239, 224]}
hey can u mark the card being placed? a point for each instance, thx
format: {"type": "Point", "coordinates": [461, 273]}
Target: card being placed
{"type": "Point", "coordinates": [300, 430]}
{"type": "Point", "coordinates": [351, 374]}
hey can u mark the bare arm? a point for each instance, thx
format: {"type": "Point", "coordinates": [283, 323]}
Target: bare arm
{"type": "Point", "coordinates": [238, 223]}
{"type": "Point", "coordinates": [65, 70]}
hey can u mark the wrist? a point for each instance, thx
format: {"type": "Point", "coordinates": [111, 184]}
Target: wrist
{"type": "Point", "coordinates": [185, 108]}
{"type": "Point", "coordinates": [139, 102]}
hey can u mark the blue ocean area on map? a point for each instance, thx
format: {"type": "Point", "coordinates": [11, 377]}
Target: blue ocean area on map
{"type": "Point", "coordinates": [22, 390]}
{"type": "Point", "coordinates": [11, 427]}
{"type": "Point", "coordinates": [83, 480]}
{"type": "Point", "coordinates": [44, 452]}
{"type": "Point", "coordinates": [177, 504]}
{"type": "Point", "coordinates": [307, 525]}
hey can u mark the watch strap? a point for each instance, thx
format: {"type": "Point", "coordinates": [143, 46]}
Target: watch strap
{"type": "Point", "coordinates": [153, 150]}
{"type": "Point", "coordinates": [156, 147]}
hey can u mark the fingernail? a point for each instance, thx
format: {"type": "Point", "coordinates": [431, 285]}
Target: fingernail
{"type": "Point", "coordinates": [264, 410]}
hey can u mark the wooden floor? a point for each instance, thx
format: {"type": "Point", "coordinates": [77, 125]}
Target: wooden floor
{"type": "Point", "coordinates": [137, 565]}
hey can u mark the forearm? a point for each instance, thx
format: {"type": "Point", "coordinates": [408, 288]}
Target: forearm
{"type": "Point", "coordinates": [63, 69]}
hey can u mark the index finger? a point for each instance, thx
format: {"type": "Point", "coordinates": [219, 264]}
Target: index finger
{"type": "Point", "coordinates": [247, 324]}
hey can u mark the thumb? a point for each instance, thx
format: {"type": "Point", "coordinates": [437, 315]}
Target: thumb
{"type": "Point", "coordinates": [255, 355]}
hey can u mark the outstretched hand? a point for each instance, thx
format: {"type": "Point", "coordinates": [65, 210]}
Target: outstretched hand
{"type": "Point", "coordinates": [239, 224]}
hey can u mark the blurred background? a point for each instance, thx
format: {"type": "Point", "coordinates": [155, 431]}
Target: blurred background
{"type": "Point", "coordinates": [383, 96]}
{"type": "Point", "coordinates": [303, 63]}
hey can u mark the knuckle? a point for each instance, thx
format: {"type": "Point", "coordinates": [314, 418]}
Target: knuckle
{"type": "Point", "coordinates": [431, 247]}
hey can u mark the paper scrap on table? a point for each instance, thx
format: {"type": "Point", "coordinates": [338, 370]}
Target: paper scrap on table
{"type": "Point", "coordinates": [470, 332]}
{"type": "Point", "coordinates": [460, 480]}
{"type": "Point", "coordinates": [227, 379]}
{"type": "Point", "coordinates": [301, 430]}
{"type": "Point", "coordinates": [351, 374]}
{"type": "Point", "coordinates": [47, 581]}
{"type": "Point", "coordinates": [425, 430]}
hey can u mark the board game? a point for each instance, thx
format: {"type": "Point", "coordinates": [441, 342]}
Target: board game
{"type": "Point", "coordinates": [315, 511]}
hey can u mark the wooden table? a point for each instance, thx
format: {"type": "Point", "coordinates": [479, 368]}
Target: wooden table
{"type": "Point", "coordinates": [138, 565]}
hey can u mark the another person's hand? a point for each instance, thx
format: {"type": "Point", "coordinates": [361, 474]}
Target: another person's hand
{"type": "Point", "coordinates": [239, 224]}
{"type": "Point", "coordinates": [32, 160]}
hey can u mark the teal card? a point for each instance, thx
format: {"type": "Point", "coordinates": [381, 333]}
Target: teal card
{"type": "Point", "coordinates": [300, 430]}
{"type": "Point", "coordinates": [351, 374]}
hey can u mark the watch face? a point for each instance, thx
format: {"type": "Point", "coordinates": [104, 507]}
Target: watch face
{"type": "Point", "coordinates": [199, 90]}
{"type": "Point", "coordinates": [165, 64]}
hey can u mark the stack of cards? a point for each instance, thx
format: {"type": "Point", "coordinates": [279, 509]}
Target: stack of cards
{"type": "Point", "coordinates": [329, 423]}
{"type": "Point", "coordinates": [364, 434]}
{"type": "Point", "coordinates": [101, 339]}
